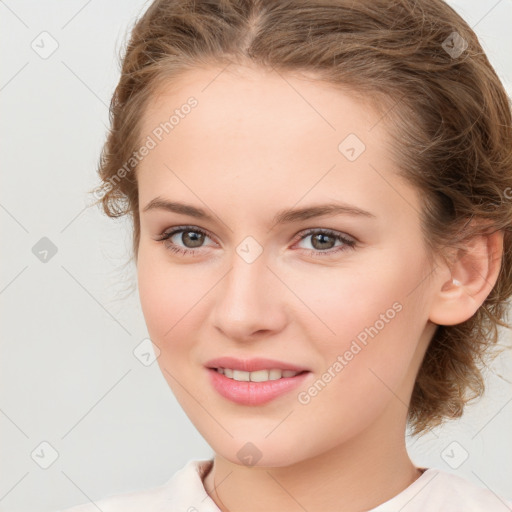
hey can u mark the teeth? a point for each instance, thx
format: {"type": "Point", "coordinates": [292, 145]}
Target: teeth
{"type": "Point", "coordinates": [257, 376]}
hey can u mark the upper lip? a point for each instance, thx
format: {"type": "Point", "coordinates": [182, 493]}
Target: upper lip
{"type": "Point", "coordinates": [252, 365]}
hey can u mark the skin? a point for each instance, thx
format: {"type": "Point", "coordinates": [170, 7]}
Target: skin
{"type": "Point", "coordinates": [259, 142]}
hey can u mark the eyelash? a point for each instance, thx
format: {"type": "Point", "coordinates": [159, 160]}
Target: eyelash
{"type": "Point", "coordinates": [347, 242]}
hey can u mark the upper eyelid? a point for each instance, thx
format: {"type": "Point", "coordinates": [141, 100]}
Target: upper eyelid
{"type": "Point", "coordinates": [329, 231]}
{"type": "Point", "coordinates": [178, 229]}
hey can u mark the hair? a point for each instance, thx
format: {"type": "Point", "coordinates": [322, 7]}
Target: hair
{"type": "Point", "coordinates": [444, 105]}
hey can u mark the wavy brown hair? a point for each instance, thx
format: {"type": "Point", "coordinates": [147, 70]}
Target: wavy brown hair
{"type": "Point", "coordinates": [441, 101]}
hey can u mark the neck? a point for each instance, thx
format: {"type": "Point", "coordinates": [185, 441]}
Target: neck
{"type": "Point", "coordinates": [358, 475]}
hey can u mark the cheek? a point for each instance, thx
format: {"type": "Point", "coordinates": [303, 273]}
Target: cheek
{"type": "Point", "coordinates": [366, 326]}
{"type": "Point", "coordinates": [164, 295]}
{"type": "Point", "coordinates": [156, 300]}
{"type": "Point", "coordinates": [343, 302]}
{"type": "Point", "coordinates": [174, 299]}
{"type": "Point", "coordinates": [365, 365]}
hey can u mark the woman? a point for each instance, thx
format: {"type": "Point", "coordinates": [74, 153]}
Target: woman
{"type": "Point", "coordinates": [321, 202]}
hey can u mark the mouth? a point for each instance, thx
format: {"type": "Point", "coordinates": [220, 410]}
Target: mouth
{"type": "Point", "coordinates": [256, 386]}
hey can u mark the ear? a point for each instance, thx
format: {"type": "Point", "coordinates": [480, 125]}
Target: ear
{"type": "Point", "coordinates": [466, 282]}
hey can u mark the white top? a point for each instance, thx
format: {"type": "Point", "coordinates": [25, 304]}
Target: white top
{"type": "Point", "coordinates": [434, 491]}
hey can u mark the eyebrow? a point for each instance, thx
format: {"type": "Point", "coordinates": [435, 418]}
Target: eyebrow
{"type": "Point", "coordinates": [282, 217]}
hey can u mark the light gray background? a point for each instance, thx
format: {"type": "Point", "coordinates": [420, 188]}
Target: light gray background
{"type": "Point", "coordinates": [69, 326]}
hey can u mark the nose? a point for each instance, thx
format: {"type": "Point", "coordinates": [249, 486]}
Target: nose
{"type": "Point", "coordinates": [249, 301]}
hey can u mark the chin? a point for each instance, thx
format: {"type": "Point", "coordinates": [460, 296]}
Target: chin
{"type": "Point", "coordinates": [257, 451]}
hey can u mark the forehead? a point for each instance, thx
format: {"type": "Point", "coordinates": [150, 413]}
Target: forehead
{"type": "Point", "coordinates": [259, 101]}
{"type": "Point", "coordinates": [267, 132]}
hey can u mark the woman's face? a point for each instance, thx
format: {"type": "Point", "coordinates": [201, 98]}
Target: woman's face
{"type": "Point", "coordinates": [264, 269]}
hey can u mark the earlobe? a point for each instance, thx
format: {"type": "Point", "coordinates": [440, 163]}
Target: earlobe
{"type": "Point", "coordinates": [472, 275]}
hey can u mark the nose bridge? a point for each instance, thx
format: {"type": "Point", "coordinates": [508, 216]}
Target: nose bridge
{"type": "Point", "coordinates": [246, 284]}
{"type": "Point", "coordinates": [243, 303]}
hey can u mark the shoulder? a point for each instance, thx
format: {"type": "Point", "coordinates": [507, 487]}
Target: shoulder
{"type": "Point", "coordinates": [183, 491]}
{"type": "Point", "coordinates": [467, 495]}
{"type": "Point", "coordinates": [439, 491]}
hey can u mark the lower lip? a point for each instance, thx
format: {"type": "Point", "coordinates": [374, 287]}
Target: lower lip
{"type": "Point", "coordinates": [253, 393]}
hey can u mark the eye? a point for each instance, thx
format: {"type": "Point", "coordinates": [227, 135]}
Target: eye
{"type": "Point", "coordinates": [323, 242]}
{"type": "Point", "coordinates": [191, 236]}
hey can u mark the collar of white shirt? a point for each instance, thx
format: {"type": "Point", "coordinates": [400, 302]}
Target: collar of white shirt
{"type": "Point", "coordinates": [434, 491]}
